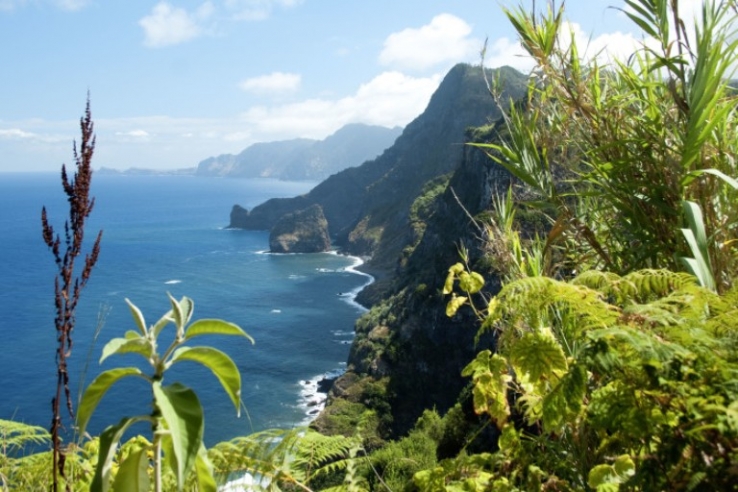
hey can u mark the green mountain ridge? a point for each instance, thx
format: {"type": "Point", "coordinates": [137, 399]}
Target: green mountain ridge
{"type": "Point", "coordinates": [404, 211]}
{"type": "Point", "coordinates": [368, 207]}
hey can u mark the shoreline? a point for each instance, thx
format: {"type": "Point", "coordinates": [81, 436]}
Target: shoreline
{"type": "Point", "coordinates": [355, 269]}
{"type": "Point", "coordinates": [314, 391]}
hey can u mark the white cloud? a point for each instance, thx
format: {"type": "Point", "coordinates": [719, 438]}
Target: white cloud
{"type": "Point", "coordinates": [505, 52]}
{"type": "Point", "coordinates": [390, 99]}
{"type": "Point", "coordinates": [444, 40]}
{"type": "Point", "coordinates": [134, 134]}
{"type": "Point", "coordinates": [255, 10]}
{"type": "Point", "coordinates": [16, 133]}
{"type": "Point", "coordinates": [167, 25]}
{"type": "Point", "coordinates": [274, 83]}
{"type": "Point", "coordinates": [605, 48]}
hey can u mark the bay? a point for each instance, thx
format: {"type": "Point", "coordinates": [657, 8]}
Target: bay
{"type": "Point", "coordinates": [166, 234]}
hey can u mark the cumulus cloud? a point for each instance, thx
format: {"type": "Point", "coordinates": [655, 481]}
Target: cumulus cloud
{"type": "Point", "coordinates": [506, 52]}
{"type": "Point", "coordinates": [254, 10]}
{"type": "Point", "coordinates": [390, 99]}
{"type": "Point", "coordinates": [168, 25]}
{"type": "Point", "coordinates": [274, 83]}
{"type": "Point", "coordinates": [444, 40]}
{"type": "Point", "coordinates": [605, 48]}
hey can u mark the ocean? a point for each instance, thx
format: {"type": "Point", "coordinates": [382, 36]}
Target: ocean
{"type": "Point", "coordinates": [166, 234]}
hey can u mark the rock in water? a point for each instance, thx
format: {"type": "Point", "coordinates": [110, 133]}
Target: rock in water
{"type": "Point", "coordinates": [304, 231]}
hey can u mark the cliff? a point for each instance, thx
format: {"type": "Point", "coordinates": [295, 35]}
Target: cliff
{"type": "Point", "coordinates": [406, 344]}
{"type": "Point", "coordinates": [368, 207]}
{"type": "Point", "coordinates": [304, 231]}
{"type": "Point", "coordinates": [409, 211]}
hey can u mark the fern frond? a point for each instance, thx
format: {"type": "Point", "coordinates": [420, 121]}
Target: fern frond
{"type": "Point", "coordinates": [529, 299]}
{"type": "Point", "coordinates": [17, 436]}
{"type": "Point", "coordinates": [648, 284]}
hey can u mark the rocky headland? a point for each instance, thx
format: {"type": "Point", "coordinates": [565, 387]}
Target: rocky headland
{"type": "Point", "coordinates": [408, 211]}
{"type": "Point", "coordinates": [304, 231]}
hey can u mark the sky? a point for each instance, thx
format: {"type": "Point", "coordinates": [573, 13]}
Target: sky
{"type": "Point", "coordinates": [174, 82]}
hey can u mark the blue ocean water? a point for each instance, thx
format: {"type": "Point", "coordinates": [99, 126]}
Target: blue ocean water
{"type": "Point", "coordinates": [166, 234]}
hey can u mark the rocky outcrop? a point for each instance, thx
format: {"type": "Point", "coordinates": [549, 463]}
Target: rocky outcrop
{"type": "Point", "coordinates": [368, 207]}
{"type": "Point", "coordinates": [304, 231]}
{"type": "Point", "coordinates": [410, 210]}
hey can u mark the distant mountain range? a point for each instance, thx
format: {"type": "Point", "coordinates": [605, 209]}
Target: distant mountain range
{"type": "Point", "coordinates": [304, 159]}
{"type": "Point", "coordinates": [298, 159]}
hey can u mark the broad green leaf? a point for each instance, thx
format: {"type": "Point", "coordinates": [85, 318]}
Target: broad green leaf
{"type": "Point", "coordinates": [108, 446]}
{"type": "Point", "coordinates": [222, 366]}
{"type": "Point", "coordinates": [181, 410]}
{"type": "Point", "coordinates": [624, 466]}
{"type": "Point", "coordinates": [177, 314]}
{"type": "Point", "coordinates": [97, 389]}
{"type": "Point", "coordinates": [133, 473]}
{"type": "Point", "coordinates": [696, 237]}
{"type": "Point", "coordinates": [454, 304]}
{"type": "Point", "coordinates": [187, 307]}
{"type": "Point", "coordinates": [609, 477]}
{"type": "Point", "coordinates": [204, 471]}
{"type": "Point", "coordinates": [490, 377]}
{"type": "Point", "coordinates": [538, 355]}
{"type": "Point", "coordinates": [139, 345]}
{"type": "Point", "coordinates": [509, 440]}
{"type": "Point", "coordinates": [214, 327]}
{"type": "Point", "coordinates": [600, 475]}
{"type": "Point", "coordinates": [471, 282]}
{"type": "Point", "coordinates": [138, 317]}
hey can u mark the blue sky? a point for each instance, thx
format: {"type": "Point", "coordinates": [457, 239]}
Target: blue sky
{"type": "Point", "coordinates": [174, 82]}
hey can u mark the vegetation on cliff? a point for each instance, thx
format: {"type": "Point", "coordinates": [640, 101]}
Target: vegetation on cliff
{"type": "Point", "coordinates": [368, 207]}
{"type": "Point", "coordinates": [585, 334]}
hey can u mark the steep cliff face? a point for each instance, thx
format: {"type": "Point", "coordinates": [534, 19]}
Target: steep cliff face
{"type": "Point", "coordinates": [368, 207]}
{"type": "Point", "coordinates": [304, 231]}
{"type": "Point", "coordinates": [409, 210]}
{"type": "Point", "coordinates": [406, 340]}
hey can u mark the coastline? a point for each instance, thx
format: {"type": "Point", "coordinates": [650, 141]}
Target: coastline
{"type": "Point", "coordinates": [314, 391]}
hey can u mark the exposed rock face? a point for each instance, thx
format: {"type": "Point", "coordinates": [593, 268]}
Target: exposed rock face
{"type": "Point", "coordinates": [409, 209]}
{"type": "Point", "coordinates": [368, 207]}
{"type": "Point", "coordinates": [304, 231]}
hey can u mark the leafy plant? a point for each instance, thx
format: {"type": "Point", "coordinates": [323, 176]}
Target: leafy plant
{"type": "Point", "coordinates": [67, 287]}
{"type": "Point", "coordinates": [25, 458]}
{"type": "Point", "coordinates": [278, 459]}
{"type": "Point", "coordinates": [607, 380]}
{"type": "Point", "coordinates": [177, 420]}
{"type": "Point", "coordinates": [616, 149]}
